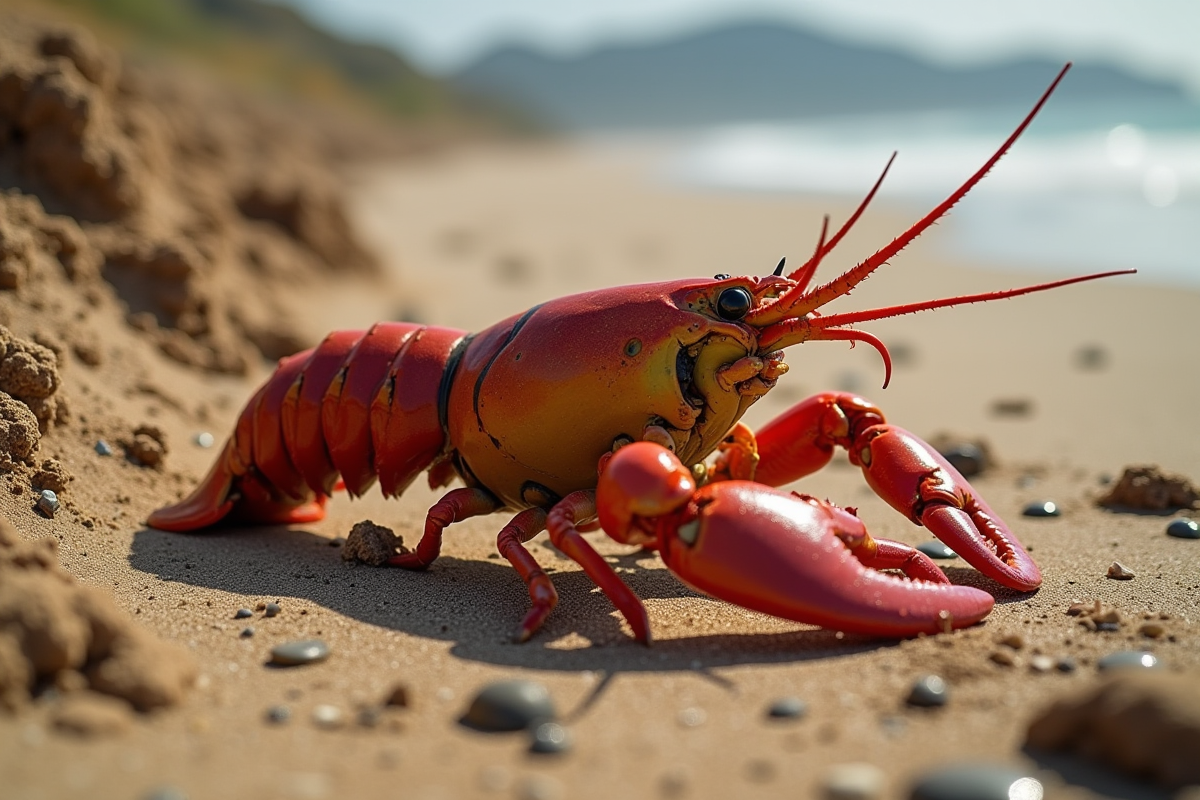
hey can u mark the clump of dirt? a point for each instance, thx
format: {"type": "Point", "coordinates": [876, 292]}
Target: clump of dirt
{"type": "Point", "coordinates": [371, 544]}
{"type": "Point", "coordinates": [148, 446]}
{"type": "Point", "coordinates": [29, 373]}
{"type": "Point", "coordinates": [19, 438]}
{"type": "Point", "coordinates": [1144, 723]}
{"type": "Point", "coordinates": [1147, 488]}
{"type": "Point", "coordinates": [52, 475]}
{"type": "Point", "coordinates": [187, 205]}
{"type": "Point", "coordinates": [56, 632]}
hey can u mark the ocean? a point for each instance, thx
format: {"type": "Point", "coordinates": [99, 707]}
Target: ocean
{"type": "Point", "coordinates": [1086, 188]}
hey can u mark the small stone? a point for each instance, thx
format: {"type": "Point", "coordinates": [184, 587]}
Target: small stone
{"type": "Point", "coordinates": [1003, 658]}
{"type": "Point", "coordinates": [1041, 663]}
{"type": "Point", "coordinates": [928, 691]}
{"type": "Point", "coordinates": [398, 696]}
{"type": "Point", "coordinates": [277, 715]}
{"type": "Point", "coordinates": [1014, 640]}
{"type": "Point", "coordinates": [1184, 528]}
{"type": "Point", "coordinates": [165, 793]}
{"type": "Point", "coordinates": [272, 609]}
{"type": "Point", "coordinates": [1066, 664]}
{"type": "Point", "coordinates": [103, 448]}
{"type": "Point", "coordinates": [48, 502]}
{"type": "Point", "coordinates": [1152, 630]}
{"type": "Point", "coordinates": [550, 738]}
{"type": "Point", "coordinates": [1120, 572]}
{"type": "Point", "coordinates": [1042, 508]}
{"type": "Point", "coordinates": [788, 708]}
{"type": "Point", "coordinates": [936, 549]}
{"type": "Point", "coordinates": [968, 459]}
{"type": "Point", "coordinates": [243, 613]}
{"type": "Point", "coordinates": [976, 782]}
{"type": "Point", "coordinates": [308, 651]}
{"type": "Point", "coordinates": [247, 632]}
{"type": "Point", "coordinates": [327, 717]}
{"type": "Point", "coordinates": [509, 706]}
{"type": "Point", "coordinates": [692, 717]}
{"type": "Point", "coordinates": [854, 781]}
{"type": "Point", "coordinates": [1128, 659]}
{"type": "Point", "coordinates": [204, 439]}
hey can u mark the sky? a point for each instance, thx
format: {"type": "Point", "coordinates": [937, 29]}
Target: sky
{"type": "Point", "coordinates": [1153, 38]}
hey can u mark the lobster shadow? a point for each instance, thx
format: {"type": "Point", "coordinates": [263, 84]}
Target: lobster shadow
{"type": "Point", "coordinates": [476, 604]}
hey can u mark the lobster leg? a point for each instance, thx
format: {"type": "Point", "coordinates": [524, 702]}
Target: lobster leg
{"type": "Point", "coordinates": [903, 470]}
{"type": "Point", "coordinates": [511, 544]}
{"type": "Point", "coordinates": [456, 506]}
{"type": "Point", "coordinates": [566, 537]}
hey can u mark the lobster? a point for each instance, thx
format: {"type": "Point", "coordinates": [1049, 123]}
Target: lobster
{"type": "Point", "coordinates": [529, 414]}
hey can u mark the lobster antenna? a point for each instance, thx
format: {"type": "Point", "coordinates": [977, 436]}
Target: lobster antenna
{"type": "Point", "coordinates": [810, 267]}
{"type": "Point", "coordinates": [804, 274]}
{"type": "Point", "coordinates": [868, 315]}
{"type": "Point", "coordinates": [797, 304]}
{"type": "Point", "coordinates": [779, 267]}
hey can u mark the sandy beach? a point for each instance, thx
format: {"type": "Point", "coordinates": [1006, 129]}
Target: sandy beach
{"type": "Point", "coordinates": [469, 236]}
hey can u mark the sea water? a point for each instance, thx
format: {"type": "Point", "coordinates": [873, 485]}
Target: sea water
{"type": "Point", "coordinates": [1086, 188]}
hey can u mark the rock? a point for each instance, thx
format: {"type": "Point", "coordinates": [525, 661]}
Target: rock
{"type": "Point", "coordinates": [1042, 508]}
{"type": "Point", "coordinates": [1120, 572]}
{"type": "Point", "coordinates": [509, 706]}
{"type": "Point", "coordinates": [1184, 529]}
{"type": "Point", "coordinates": [550, 738]}
{"type": "Point", "coordinates": [854, 781]}
{"type": "Point", "coordinates": [293, 654]}
{"type": "Point", "coordinates": [936, 549]}
{"type": "Point", "coordinates": [788, 708]}
{"type": "Point", "coordinates": [1128, 660]}
{"type": "Point", "coordinates": [929, 691]}
{"type": "Point", "coordinates": [1142, 722]}
{"type": "Point", "coordinates": [976, 782]}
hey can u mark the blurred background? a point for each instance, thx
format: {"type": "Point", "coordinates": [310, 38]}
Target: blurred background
{"type": "Point", "coordinates": [804, 96]}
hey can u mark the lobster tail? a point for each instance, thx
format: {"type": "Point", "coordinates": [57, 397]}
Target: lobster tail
{"type": "Point", "coordinates": [359, 404]}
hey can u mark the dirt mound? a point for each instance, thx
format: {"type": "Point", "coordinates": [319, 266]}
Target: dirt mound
{"type": "Point", "coordinates": [1150, 489]}
{"type": "Point", "coordinates": [195, 207]}
{"type": "Point", "coordinates": [55, 632]}
{"type": "Point", "coordinates": [1141, 722]}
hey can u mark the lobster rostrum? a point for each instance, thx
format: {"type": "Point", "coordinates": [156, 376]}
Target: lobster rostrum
{"type": "Point", "coordinates": [529, 413]}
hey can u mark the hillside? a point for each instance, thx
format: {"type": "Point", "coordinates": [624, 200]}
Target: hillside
{"type": "Point", "coordinates": [766, 71]}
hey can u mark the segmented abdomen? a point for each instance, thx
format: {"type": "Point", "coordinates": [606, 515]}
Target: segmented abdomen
{"type": "Point", "coordinates": [362, 405]}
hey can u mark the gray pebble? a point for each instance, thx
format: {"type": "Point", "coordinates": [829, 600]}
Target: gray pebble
{"type": "Point", "coordinates": [929, 691]}
{"type": "Point", "coordinates": [1066, 664]}
{"type": "Point", "coordinates": [550, 737]}
{"type": "Point", "coordinates": [103, 448]}
{"type": "Point", "coordinates": [278, 714]}
{"type": "Point", "coordinates": [48, 502]}
{"type": "Point", "coordinates": [243, 613]}
{"type": "Point", "coordinates": [968, 459]}
{"type": "Point", "coordinates": [165, 793]}
{"type": "Point", "coordinates": [247, 632]}
{"type": "Point", "coordinates": [976, 782]}
{"type": "Point", "coordinates": [1184, 528]}
{"type": "Point", "coordinates": [788, 708]}
{"type": "Point", "coordinates": [307, 651]}
{"type": "Point", "coordinates": [509, 706]}
{"type": "Point", "coordinates": [273, 609]}
{"type": "Point", "coordinates": [857, 781]}
{"type": "Point", "coordinates": [204, 439]}
{"type": "Point", "coordinates": [1042, 508]}
{"type": "Point", "coordinates": [1128, 659]}
{"type": "Point", "coordinates": [936, 549]}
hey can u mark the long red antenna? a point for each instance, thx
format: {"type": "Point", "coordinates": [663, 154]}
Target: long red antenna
{"type": "Point", "coordinates": [793, 303]}
{"type": "Point", "coordinates": [804, 275]}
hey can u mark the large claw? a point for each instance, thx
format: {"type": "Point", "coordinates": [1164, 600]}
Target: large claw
{"type": "Point", "coordinates": [918, 482]}
{"type": "Point", "coordinates": [789, 556]}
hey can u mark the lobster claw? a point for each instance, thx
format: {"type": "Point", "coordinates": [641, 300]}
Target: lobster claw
{"type": "Point", "coordinates": [922, 485]}
{"type": "Point", "coordinates": [789, 556]}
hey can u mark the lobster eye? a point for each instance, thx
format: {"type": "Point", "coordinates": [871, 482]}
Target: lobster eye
{"type": "Point", "coordinates": [733, 303]}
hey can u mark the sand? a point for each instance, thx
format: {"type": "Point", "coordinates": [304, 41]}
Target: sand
{"type": "Point", "coordinates": [464, 238]}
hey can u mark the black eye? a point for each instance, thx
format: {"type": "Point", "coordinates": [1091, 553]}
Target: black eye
{"type": "Point", "coordinates": [734, 303]}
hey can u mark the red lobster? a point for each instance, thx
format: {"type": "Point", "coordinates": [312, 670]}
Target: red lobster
{"type": "Point", "coordinates": [525, 411]}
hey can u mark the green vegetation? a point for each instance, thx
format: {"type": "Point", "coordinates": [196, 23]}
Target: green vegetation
{"type": "Point", "coordinates": [273, 47]}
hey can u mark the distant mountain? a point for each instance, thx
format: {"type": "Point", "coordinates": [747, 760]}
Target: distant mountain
{"type": "Point", "coordinates": [765, 71]}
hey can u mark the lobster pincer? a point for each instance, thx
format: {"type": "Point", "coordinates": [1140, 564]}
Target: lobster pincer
{"type": "Point", "coordinates": [788, 555]}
